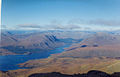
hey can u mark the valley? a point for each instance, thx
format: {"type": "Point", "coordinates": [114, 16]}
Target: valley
{"type": "Point", "coordinates": [16, 52]}
{"type": "Point", "coordinates": [60, 38]}
{"type": "Point", "coordinates": [89, 51]}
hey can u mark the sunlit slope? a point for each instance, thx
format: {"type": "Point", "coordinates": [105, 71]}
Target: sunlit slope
{"type": "Point", "coordinates": [87, 52]}
{"type": "Point", "coordinates": [67, 66]}
{"type": "Point", "coordinates": [96, 45]}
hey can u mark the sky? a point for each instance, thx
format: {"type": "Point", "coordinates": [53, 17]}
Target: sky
{"type": "Point", "coordinates": [61, 14]}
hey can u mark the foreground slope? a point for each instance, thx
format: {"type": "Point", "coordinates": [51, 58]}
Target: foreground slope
{"type": "Point", "coordinates": [92, 73]}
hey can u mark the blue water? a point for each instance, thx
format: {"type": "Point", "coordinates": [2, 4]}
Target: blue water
{"type": "Point", "coordinates": [9, 62]}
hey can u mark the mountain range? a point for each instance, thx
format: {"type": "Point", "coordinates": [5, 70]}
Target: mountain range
{"type": "Point", "coordinates": [27, 43]}
{"type": "Point", "coordinates": [88, 51]}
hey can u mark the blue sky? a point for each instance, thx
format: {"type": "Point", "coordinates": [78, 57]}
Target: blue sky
{"type": "Point", "coordinates": [61, 14]}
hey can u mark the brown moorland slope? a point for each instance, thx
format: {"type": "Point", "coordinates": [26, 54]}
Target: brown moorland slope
{"type": "Point", "coordinates": [66, 66]}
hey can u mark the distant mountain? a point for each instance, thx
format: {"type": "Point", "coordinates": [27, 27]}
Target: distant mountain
{"type": "Point", "coordinates": [101, 39]}
{"type": "Point", "coordinates": [33, 42]}
{"type": "Point", "coordinates": [7, 39]}
{"type": "Point", "coordinates": [96, 45]}
{"type": "Point", "coordinates": [18, 42]}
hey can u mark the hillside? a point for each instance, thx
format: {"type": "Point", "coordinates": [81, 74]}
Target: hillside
{"type": "Point", "coordinates": [96, 45]}
{"type": "Point", "coordinates": [92, 73]}
{"type": "Point", "coordinates": [24, 43]}
{"type": "Point", "coordinates": [66, 66]}
{"type": "Point", "coordinates": [99, 51]}
{"type": "Point", "coordinates": [84, 55]}
{"type": "Point", "coordinates": [15, 42]}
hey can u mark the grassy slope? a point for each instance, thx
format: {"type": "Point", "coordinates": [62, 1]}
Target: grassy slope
{"type": "Point", "coordinates": [67, 66]}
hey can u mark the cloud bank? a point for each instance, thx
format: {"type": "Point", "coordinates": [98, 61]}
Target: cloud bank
{"type": "Point", "coordinates": [104, 22]}
{"type": "Point", "coordinates": [96, 22]}
{"type": "Point", "coordinates": [74, 24]}
{"type": "Point", "coordinates": [48, 27]}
